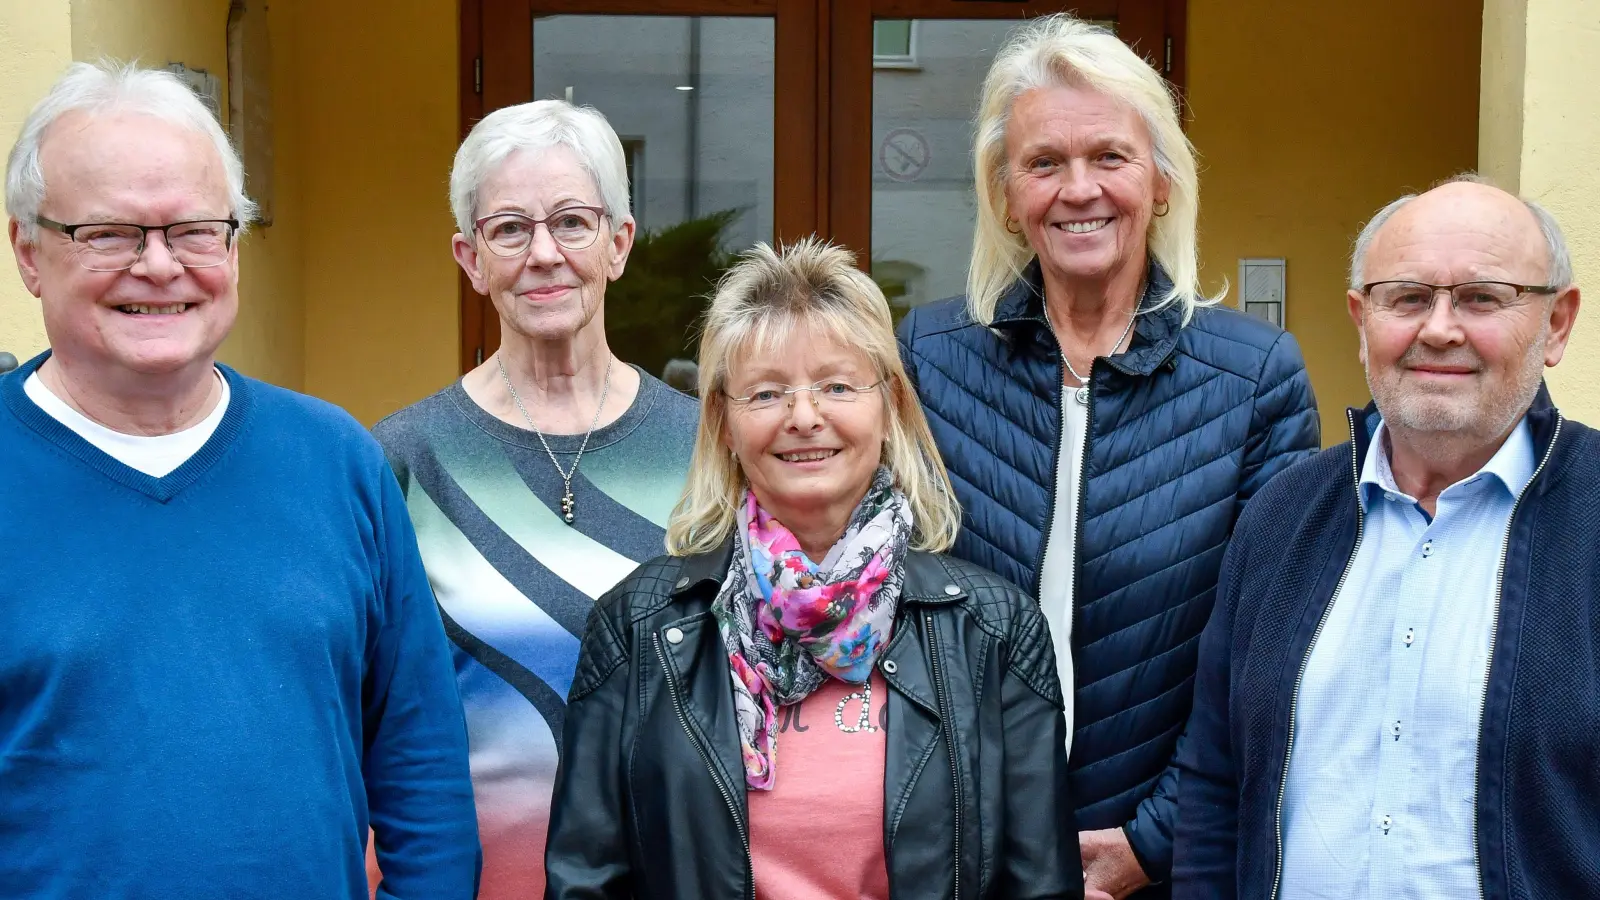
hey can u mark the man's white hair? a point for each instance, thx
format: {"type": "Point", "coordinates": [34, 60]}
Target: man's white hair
{"type": "Point", "coordinates": [1555, 243]}
{"type": "Point", "coordinates": [534, 128]}
{"type": "Point", "coordinates": [112, 87]}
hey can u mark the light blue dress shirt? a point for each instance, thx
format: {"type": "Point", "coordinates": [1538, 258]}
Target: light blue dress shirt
{"type": "Point", "coordinates": [1379, 800]}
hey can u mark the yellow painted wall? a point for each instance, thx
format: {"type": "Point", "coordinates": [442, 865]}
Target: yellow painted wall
{"type": "Point", "coordinates": [35, 43]}
{"type": "Point", "coordinates": [156, 32]}
{"type": "Point", "coordinates": [1558, 161]}
{"type": "Point", "coordinates": [378, 120]}
{"type": "Point", "coordinates": [1307, 125]}
{"type": "Point", "coordinates": [268, 340]}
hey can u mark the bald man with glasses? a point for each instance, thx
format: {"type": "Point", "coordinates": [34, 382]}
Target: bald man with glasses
{"type": "Point", "coordinates": [1399, 688]}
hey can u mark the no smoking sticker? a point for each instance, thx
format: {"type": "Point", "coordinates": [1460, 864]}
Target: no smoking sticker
{"type": "Point", "coordinates": [904, 154]}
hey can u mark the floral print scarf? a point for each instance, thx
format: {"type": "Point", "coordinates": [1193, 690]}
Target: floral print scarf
{"type": "Point", "coordinates": [790, 623]}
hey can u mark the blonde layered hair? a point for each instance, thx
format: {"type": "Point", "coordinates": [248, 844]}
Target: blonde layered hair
{"type": "Point", "coordinates": [760, 303]}
{"type": "Point", "coordinates": [1063, 50]}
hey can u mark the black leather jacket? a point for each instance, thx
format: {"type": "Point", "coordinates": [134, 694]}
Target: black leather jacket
{"type": "Point", "coordinates": [650, 795]}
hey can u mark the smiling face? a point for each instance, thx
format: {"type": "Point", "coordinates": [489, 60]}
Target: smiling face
{"type": "Point", "coordinates": [157, 317]}
{"type": "Point", "coordinates": [1449, 371]}
{"type": "Point", "coordinates": [1081, 181]}
{"type": "Point", "coordinates": [808, 461]}
{"type": "Point", "coordinates": [548, 292]}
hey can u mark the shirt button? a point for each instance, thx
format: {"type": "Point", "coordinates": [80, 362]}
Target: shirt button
{"type": "Point", "coordinates": [1389, 495]}
{"type": "Point", "coordinates": [952, 590]}
{"type": "Point", "coordinates": [1385, 823]}
{"type": "Point", "coordinates": [1411, 635]}
{"type": "Point", "coordinates": [674, 635]}
{"type": "Point", "coordinates": [1427, 548]}
{"type": "Point", "coordinates": [889, 667]}
{"type": "Point", "coordinates": [682, 583]}
{"type": "Point", "coordinates": [1396, 729]}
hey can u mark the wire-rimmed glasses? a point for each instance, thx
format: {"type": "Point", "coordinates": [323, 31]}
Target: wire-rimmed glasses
{"type": "Point", "coordinates": [510, 234]}
{"type": "Point", "coordinates": [1411, 299]}
{"type": "Point", "coordinates": [767, 398]}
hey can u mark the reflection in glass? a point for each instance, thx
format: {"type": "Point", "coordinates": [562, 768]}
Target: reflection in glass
{"type": "Point", "coordinates": [894, 43]}
{"type": "Point", "coordinates": [692, 100]}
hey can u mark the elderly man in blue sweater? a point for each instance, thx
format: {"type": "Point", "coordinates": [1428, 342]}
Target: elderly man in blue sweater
{"type": "Point", "coordinates": [220, 662]}
{"type": "Point", "coordinates": [1399, 688]}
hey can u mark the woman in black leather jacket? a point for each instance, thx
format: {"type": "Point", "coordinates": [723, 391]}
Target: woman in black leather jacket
{"type": "Point", "coordinates": [807, 698]}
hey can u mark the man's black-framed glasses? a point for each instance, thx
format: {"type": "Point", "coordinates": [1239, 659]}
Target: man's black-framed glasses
{"type": "Point", "coordinates": [1411, 299]}
{"type": "Point", "coordinates": [509, 234]}
{"type": "Point", "coordinates": [115, 246]}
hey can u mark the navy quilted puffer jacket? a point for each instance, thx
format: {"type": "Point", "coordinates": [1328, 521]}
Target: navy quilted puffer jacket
{"type": "Point", "coordinates": [1183, 428]}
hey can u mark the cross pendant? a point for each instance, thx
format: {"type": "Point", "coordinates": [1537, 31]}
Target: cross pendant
{"type": "Point", "coordinates": [568, 504]}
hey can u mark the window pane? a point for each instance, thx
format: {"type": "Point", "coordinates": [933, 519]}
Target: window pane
{"type": "Point", "coordinates": [891, 37]}
{"type": "Point", "coordinates": [922, 200]}
{"type": "Point", "coordinates": [692, 100]}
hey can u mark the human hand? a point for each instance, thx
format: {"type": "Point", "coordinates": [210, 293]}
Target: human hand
{"type": "Point", "coordinates": [1110, 870]}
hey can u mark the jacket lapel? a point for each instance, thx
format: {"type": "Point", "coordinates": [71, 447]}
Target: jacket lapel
{"type": "Point", "coordinates": [915, 728]}
{"type": "Point", "coordinates": [697, 664]}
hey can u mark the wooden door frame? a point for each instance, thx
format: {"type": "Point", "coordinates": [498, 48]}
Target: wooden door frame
{"type": "Point", "coordinates": [822, 128]}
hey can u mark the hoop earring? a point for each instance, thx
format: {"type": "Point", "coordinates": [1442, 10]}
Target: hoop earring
{"type": "Point", "coordinates": [1165, 208]}
{"type": "Point", "coordinates": [1009, 220]}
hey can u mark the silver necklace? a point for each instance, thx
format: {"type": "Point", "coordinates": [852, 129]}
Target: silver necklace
{"type": "Point", "coordinates": [1082, 393]}
{"type": "Point", "coordinates": [569, 506]}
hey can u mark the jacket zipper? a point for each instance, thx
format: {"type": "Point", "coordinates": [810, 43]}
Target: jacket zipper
{"type": "Point", "coordinates": [1294, 697]}
{"type": "Point", "coordinates": [705, 756]}
{"type": "Point", "coordinates": [1494, 629]}
{"type": "Point", "coordinates": [949, 743]}
{"type": "Point", "coordinates": [1077, 516]}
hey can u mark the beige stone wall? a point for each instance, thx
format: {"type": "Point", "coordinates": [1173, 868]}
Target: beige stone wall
{"type": "Point", "coordinates": [1505, 41]}
{"type": "Point", "coordinates": [35, 43]}
{"type": "Point", "coordinates": [1545, 140]}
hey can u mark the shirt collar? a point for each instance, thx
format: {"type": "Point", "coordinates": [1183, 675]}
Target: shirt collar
{"type": "Point", "coordinates": [1512, 464]}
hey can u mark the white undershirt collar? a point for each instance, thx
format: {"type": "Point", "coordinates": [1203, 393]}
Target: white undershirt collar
{"type": "Point", "coordinates": [154, 455]}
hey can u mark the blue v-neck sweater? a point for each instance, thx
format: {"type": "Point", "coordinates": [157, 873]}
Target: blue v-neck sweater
{"type": "Point", "coordinates": [212, 683]}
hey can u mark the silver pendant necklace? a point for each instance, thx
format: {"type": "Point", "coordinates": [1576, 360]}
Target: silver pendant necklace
{"type": "Point", "coordinates": [1082, 393]}
{"type": "Point", "coordinates": [569, 506]}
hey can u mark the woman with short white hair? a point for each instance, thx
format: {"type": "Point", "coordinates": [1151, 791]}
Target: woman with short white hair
{"type": "Point", "coordinates": [807, 698]}
{"type": "Point", "coordinates": [1104, 421]}
{"type": "Point", "coordinates": [543, 476]}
